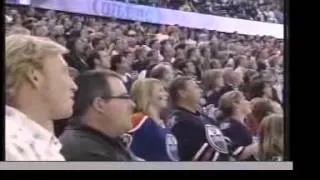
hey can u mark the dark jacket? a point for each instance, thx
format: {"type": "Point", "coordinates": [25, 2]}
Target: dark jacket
{"type": "Point", "coordinates": [82, 143]}
{"type": "Point", "coordinates": [239, 135]}
{"type": "Point", "coordinates": [226, 89]}
{"type": "Point", "coordinates": [140, 65]}
{"type": "Point", "coordinates": [76, 62]}
{"type": "Point", "coordinates": [213, 99]}
{"type": "Point", "coordinates": [59, 126]}
{"type": "Point", "coordinates": [237, 132]}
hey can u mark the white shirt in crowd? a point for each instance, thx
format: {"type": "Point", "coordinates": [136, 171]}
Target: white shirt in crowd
{"type": "Point", "coordinates": [26, 140]}
{"type": "Point", "coordinates": [162, 37]}
{"type": "Point", "coordinates": [114, 52]}
{"type": "Point", "coordinates": [230, 63]}
{"type": "Point", "coordinates": [203, 43]}
{"type": "Point", "coordinates": [191, 42]}
{"type": "Point", "coordinates": [126, 77]}
{"type": "Point", "coordinates": [142, 74]}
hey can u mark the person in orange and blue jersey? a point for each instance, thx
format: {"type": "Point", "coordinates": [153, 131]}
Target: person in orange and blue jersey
{"type": "Point", "coordinates": [151, 139]}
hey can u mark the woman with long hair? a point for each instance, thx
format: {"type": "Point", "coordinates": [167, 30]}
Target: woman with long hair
{"type": "Point", "coordinates": [271, 138]}
{"type": "Point", "coordinates": [212, 81]}
{"type": "Point", "coordinates": [152, 140]}
{"type": "Point", "coordinates": [193, 55]}
{"type": "Point", "coordinates": [249, 76]}
{"type": "Point", "coordinates": [234, 108]}
{"type": "Point", "coordinates": [261, 107]}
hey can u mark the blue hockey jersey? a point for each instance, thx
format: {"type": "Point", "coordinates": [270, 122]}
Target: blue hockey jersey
{"type": "Point", "coordinates": [152, 142]}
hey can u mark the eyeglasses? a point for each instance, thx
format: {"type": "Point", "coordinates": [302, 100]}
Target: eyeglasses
{"type": "Point", "coordinates": [123, 96]}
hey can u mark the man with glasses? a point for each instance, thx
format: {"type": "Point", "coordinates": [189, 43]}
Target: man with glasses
{"type": "Point", "coordinates": [102, 112]}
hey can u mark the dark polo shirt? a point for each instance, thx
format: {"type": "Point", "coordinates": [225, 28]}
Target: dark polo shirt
{"type": "Point", "coordinates": [83, 143]}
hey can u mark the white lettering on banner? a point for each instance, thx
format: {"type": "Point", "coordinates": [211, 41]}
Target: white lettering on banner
{"type": "Point", "coordinates": [150, 14]}
{"type": "Point", "coordinates": [26, 2]}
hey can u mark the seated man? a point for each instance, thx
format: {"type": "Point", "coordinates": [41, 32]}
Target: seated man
{"type": "Point", "coordinates": [199, 138]}
{"type": "Point", "coordinates": [102, 114]}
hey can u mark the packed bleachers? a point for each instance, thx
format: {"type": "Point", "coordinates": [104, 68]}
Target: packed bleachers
{"type": "Point", "coordinates": [263, 10]}
{"type": "Point", "coordinates": [227, 68]}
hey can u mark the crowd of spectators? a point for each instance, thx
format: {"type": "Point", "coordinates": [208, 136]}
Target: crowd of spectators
{"type": "Point", "coordinates": [233, 76]}
{"type": "Point", "coordinates": [257, 10]}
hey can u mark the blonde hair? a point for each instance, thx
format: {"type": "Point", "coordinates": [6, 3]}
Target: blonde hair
{"type": "Point", "coordinates": [271, 137]}
{"type": "Point", "coordinates": [261, 108]}
{"type": "Point", "coordinates": [142, 92]}
{"type": "Point", "coordinates": [230, 76]}
{"type": "Point", "coordinates": [227, 101]}
{"type": "Point", "coordinates": [18, 30]}
{"type": "Point", "coordinates": [24, 52]}
{"type": "Point", "coordinates": [277, 107]}
{"type": "Point", "coordinates": [210, 77]}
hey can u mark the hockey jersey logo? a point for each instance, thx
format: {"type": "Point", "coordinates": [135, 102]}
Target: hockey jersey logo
{"type": "Point", "coordinates": [216, 139]}
{"type": "Point", "coordinates": [172, 147]}
{"type": "Point", "coordinates": [151, 141]}
{"type": "Point", "coordinates": [127, 140]}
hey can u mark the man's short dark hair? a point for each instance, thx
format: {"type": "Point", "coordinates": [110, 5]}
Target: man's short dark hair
{"type": "Point", "coordinates": [115, 59]}
{"type": "Point", "coordinates": [91, 84]}
{"type": "Point", "coordinates": [261, 66]}
{"type": "Point", "coordinates": [90, 61]}
{"type": "Point", "coordinates": [162, 50]}
{"type": "Point", "coordinates": [180, 46]}
{"type": "Point", "coordinates": [150, 54]}
{"type": "Point", "coordinates": [189, 52]}
{"type": "Point", "coordinates": [179, 64]}
{"type": "Point", "coordinates": [176, 85]}
{"type": "Point", "coordinates": [60, 36]}
{"type": "Point", "coordinates": [256, 88]}
{"type": "Point", "coordinates": [163, 42]}
{"type": "Point", "coordinates": [159, 71]}
{"type": "Point", "coordinates": [95, 41]}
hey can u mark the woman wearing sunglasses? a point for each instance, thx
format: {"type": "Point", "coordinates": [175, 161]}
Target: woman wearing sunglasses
{"type": "Point", "coordinates": [152, 140]}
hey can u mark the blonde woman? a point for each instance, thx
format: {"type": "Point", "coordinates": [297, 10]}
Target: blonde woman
{"type": "Point", "coordinates": [261, 107]}
{"type": "Point", "coordinates": [271, 138]}
{"type": "Point", "coordinates": [151, 141]}
{"type": "Point", "coordinates": [234, 109]}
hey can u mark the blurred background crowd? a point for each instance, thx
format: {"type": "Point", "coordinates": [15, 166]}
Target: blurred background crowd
{"type": "Point", "coordinates": [218, 62]}
{"type": "Point", "coordinates": [256, 10]}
